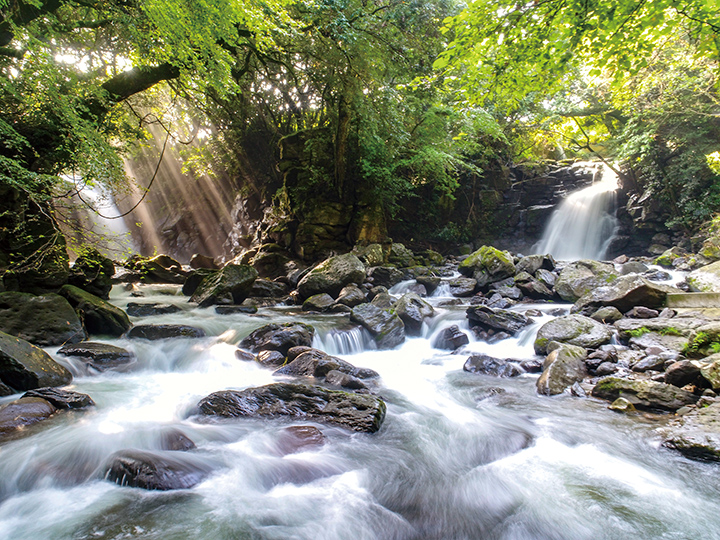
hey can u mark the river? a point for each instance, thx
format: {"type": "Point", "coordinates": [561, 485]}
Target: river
{"type": "Point", "coordinates": [460, 455]}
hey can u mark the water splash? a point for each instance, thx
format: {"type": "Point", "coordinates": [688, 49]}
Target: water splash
{"type": "Point", "coordinates": [584, 224]}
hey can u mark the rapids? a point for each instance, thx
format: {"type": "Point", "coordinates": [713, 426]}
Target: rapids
{"type": "Point", "coordinates": [460, 456]}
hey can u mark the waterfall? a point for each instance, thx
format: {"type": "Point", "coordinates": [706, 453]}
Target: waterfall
{"type": "Point", "coordinates": [584, 223]}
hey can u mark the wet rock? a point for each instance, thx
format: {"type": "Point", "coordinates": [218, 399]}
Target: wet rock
{"type": "Point", "coordinates": [497, 319]}
{"type": "Point", "coordinates": [633, 267]}
{"type": "Point", "coordinates": [319, 302]}
{"type": "Point", "coordinates": [358, 412]}
{"type": "Point", "coordinates": [387, 328]}
{"type": "Point", "coordinates": [244, 356]}
{"type": "Point", "coordinates": [580, 277]}
{"type": "Point", "coordinates": [42, 320]}
{"type": "Point", "coordinates": [61, 399]}
{"type": "Point", "coordinates": [5, 390]}
{"type": "Point", "coordinates": [264, 288]}
{"type": "Point", "coordinates": [710, 370]}
{"type": "Point", "coordinates": [450, 339]}
{"type": "Point", "coordinates": [696, 434]}
{"type": "Point", "coordinates": [203, 261]}
{"type": "Point", "coordinates": [24, 412]}
{"type": "Point", "coordinates": [624, 293]}
{"type": "Point", "coordinates": [175, 440]}
{"type": "Point", "coordinates": [135, 309]}
{"type": "Point", "coordinates": [535, 289]}
{"type": "Point", "coordinates": [386, 276]}
{"type": "Point", "coordinates": [156, 471]}
{"type": "Point", "coordinates": [533, 263]}
{"type": "Point", "coordinates": [462, 287]}
{"type": "Point", "coordinates": [383, 300]}
{"type": "Point", "coordinates": [644, 394]}
{"type": "Point", "coordinates": [279, 337]}
{"type": "Point", "coordinates": [332, 275]}
{"type": "Point", "coordinates": [400, 256]}
{"type": "Point", "coordinates": [640, 312]}
{"type": "Point", "coordinates": [100, 317]}
{"type": "Point", "coordinates": [562, 368]}
{"type": "Point", "coordinates": [573, 329]}
{"type": "Point", "coordinates": [371, 255]}
{"type": "Point", "coordinates": [165, 331]}
{"type": "Point", "coordinates": [507, 289]}
{"type": "Point", "coordinates": [231, 285]}
{"type": "Point", "coordinates": [487, 365]}
{"type": "Point", "coordinates": [430, 283]}
{"type": "Point", "coordinates": [606, 368]}
{"type": "Point", "coordinates": [316, 363]}
{"type": "Point", "coordinates": [92, 272]}
{"type": "Point", "coordinates": [651, 362]}
{"type": "Point", "coordinates": [682, 373]}
{"type": "Point", "coordinates": [607, 315]}
{"type": "Point", "coordinates": [376, 291]}
{"type": "Point", "coordinates": [193, 280]}
{"type": "Point", "coordinates": [546, 278]}
{"type": "Point", "coordinates": [532, 365]}
{"type": "Point", "coordinates": [160, 269]}
{"type": "Point", "coordinates": [299, 438]}
{"type": "Point", "coordinates": [622, 405]}
{"type": "Point", "coordinates": [25, 367]}
{"type": "Point", "coordinates": [496, 302]}
{"type": "Point", "coordinates": [488, 265]}
{"type": "Point", "coordinates": [351, 296]}
{"type": "Point", "coordinates": [413, 311]}
{"type": "Point", "coordinates": [657, 275]}
{"type": "Point", "coordinates": [233, 309]}
{"type": "Point", "coordinates": [270, 359]}
{"type": "Point", "coordinates": [345, 380]}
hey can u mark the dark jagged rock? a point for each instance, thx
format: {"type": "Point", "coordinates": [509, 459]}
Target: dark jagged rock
{"type": "Point", "coordinates": [683, 372]}
{"type": "Point", "coordinates": [451, 339]}
{"type": "Point", "coordinates": [92, 272]}
{"type": "Point", "coordinates": [25, 367]}
{"type": "Point", "coordinates": [42, 320]}
{"type": "Point", "coordinates": [279, 337]}
{"type": "Point", "coordinates": [462, 287]}
{"type": "Point", "coordinates": [175, 440]}
{"type": "Point", "coordinates": [562, 368]}
{"type": "Point", "coordinates": [401, 256]}
{"type": "Point", "coordinates": [270, 359]}
{"type": "Point", "coordinates": [100, 317]}
{"type": "Point", "coordinates": [100, 355]}
{"type": "Point", "coordinates": [332, 275]}
{"type": "Point", "coordinates": [487, 365]}
{"type": "Point", "coordinates": [135, 309]}
{"type": "Point", "coordinates": [383, 300]}
{"type": "Point", "coordinates": [644, 394]}
{"type": "Point", "coordinates": [61, 399]}
{"type": "Point", "coordinates": [573, 329]}
{"type": "Point", "coordinates": [359, 412]}
{"type": "Point", "coordinates": [203, 261]}
{"type": "Point", "coordinates": [497, 319]}
{"type": "Point", "coordinates": [164, 331]}
{"type": "Point", "coordinates": [193, 280]}
{"type": "Point", "coordinates": [413, 311]}
{"type": "Point", "coordinates": [231, 285]}
{"type": "Point", "coordinates": [386, 276]}
{"type": "Point", "coordinates": [264, 288]}
{"type": "Point", "coordinates": [156, 471]}
{"type": "Point", "coordinates": [296, 438]}
{"type": "Point", "coordinates": [24, 412]}
{"type": "Point", "coordinates": [160, 269]}
{"type": "Point", "coordinates": [386, 328]}
{"type": "Point", "coordinates": [229, 310]}
{"type": "Point", "coordinates": [316, 363]}
{"type": "Point", "coordinates": [319, 302]}
{"type": "Point", "coordinates": [351, 296]}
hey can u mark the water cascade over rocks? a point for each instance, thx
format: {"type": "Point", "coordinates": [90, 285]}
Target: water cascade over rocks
{"type": "Point", "coordinates": [584, 224]}
{"type": "Point", "coordinates": [458, 455]}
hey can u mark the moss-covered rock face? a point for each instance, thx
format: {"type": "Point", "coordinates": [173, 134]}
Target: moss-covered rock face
{"type": "Point", "coordinates": [160, 269]}
{"type": "Point", "coordinates": [574, 330]}
{"type": "Point", "coordinates": [93, 273]}
{"type": "Point", "coordinates": [332, 275]}
{"type": "Point", "coordinates": [100, 317]}
{"type": "Point", "coordinates": [231, 285]}
{"type": "Point", "coordinates": [25, 367]}
{"type": "Point", "coordinates": [43, 320]}
{"type": "Point", "coordinates": [401, 256]}
{"type": "Point", "coordinates": [706, 278]}
{"type": "Point", "coordinates": [669, 256]}
{"type": "Point", "coordinates": [710, 249]}
{"type": "Point", "coordinates": [488, 265]}
{"type": "Point", "coordinates": [371, 255]}
{"type": "Point", "coordinates": [644, 394]}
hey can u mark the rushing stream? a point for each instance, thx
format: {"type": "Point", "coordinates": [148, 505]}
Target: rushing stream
{"type": "Point", "coordinates": [460, 456]}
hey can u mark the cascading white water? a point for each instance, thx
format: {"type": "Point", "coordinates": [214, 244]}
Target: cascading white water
{"type": "Point", "coordinates": [584, 224]}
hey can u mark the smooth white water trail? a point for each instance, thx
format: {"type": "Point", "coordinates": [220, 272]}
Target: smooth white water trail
{"type": "Point", "coordinates": [584, 224]}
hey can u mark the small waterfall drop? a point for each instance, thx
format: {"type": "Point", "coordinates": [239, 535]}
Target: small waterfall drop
{"type": "Point", "coordinates": [584, 224]}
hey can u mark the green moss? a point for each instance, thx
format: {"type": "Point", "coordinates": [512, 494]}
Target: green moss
{"type": "Point", "coordinates": [639, 331]}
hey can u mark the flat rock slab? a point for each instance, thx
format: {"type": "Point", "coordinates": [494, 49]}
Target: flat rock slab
{"type": "Point", "coordinates": [573, 329]}
{"type": "Point", "coordinates": [644, 394]}
{"type": "Point", "coordinates": [164, 331]}
{"type": "Point", "coordinates": [363, 413]}
{"type": "Point", "coordinates": [232, 309]}
{"type": "Point", "coordinates": [101, 355]}
{"type": "Point", "coordinates": [156, 471]}
{"type": "Point", "coordinates": [24, 366]}
{"type": "Point", "coordinates": [135, 309]}
{"type": "Point", "coordinates": [24, 412]}
{"type": "Point", "coordinates": [61, 399]}
{"type": "Point", "coordinates": [696, 434]}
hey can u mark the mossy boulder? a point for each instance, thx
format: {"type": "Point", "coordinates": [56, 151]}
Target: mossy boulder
{"type": "Point", "coordinates": [231, 285]}
{"type": "Point", "coordinates": [371, 255]}
{"type": "Point", "coordinates": [100, 317]}
{"type": "Point", "coordinates": [487, 265]}
{"type": "Point", "coordinates": [705, 278]}
{"type": "Point", "coordinates": [24, 366]}
{"type": "Point", "coordinates": [332, 275]}
{"type": "Point", "coordinates": [318, 302]}
{"type": "Point", "coordinates": [386, 327]}
{"type": "Point", "coordinates": [159, 269]}
{"type": "Point", "coordinates": [574, 330]}
{"type": "Point", "coordinates": [93, 273]}
{"type": "Point", "coordinates": [669, 256]}
{"type": "Point", "coordinates": [43, 320]}
{"type": "Point", "coordinates": [413, 311]}
{"type": "Point", "coordinates": [644, 394]}
{"type": "Point", "coordinates": [581, 277]}
{"type": "Point", "coordinates": [401, 256]}
{"type": "Point", "coordinates": [562, 368]}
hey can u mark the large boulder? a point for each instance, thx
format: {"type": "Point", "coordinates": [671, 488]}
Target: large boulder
{"type": "Point", "coordinates": [705, 279]}
{"type": "Point", "coordinates": [24, 412]}
{"type": "Point", "coordinates": [161, 471]}
{"type": "Point", "coordinates": [332, 275]}
{"type": "Point", "coordinates": [413, 310]}
{"type": "Point", "coordinates": [562, 368]}
{"type": "Point", "coordinates": [159, 269]}
{"type": "Point", "coordinates": [351, 296]}
{"type": "Point", "coordinates": [462, 287]}
{"type": "Point", "coordinates": [703, 340]}
{"type": "Point", "coordinates": [364, 413]}
{"type": "Point", "coordinates": [99, 316]}
{"type": "Point", "coordinates": [386, 276]}
{"type": "Point", "coordinates": [100, 355]}
{"type": "Point", "coordinates": [580, 277]}
{"type": "Point", "coordinates": [497, 319]}
{"type": "Point", "coordinates": [387, 328]}
{"type": "Point", "coordinates": [533, 263]}
{"type": "Point", "coordinates": [43, 320]}
{"type": "Point", "coordinates": [316, 363]}
{"type": "Point", "coordinates": [93, 272]}
{"type": "Point", "coordinates": [279, 337]}
{"type": "Point", "coordinates": [488, 265]}
{"type": "Point", "coordinates": [710, 370]}
{"type": "Point", "coordinates": [451, 338]}
{"type": "Point", "coordinates": [624, 293]}
{"type": "Point", "coordinates": [264, 288]}
{"type": "Point", "coordinates": [696, 434]}
{"type": "Point", "coordinates": [231, 285]}
{"type": "Point", "coordinates": [400, 256]}
{"type": "Point", "coordinates": [573, 329]}
{"type": "Point", "coordinates": [644, 394]}
{"type": "Point", "coordinates": [318, 302]}
{"type": "Point", "coordinates": [25, 367]}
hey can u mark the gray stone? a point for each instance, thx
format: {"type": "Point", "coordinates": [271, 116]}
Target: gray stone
{"type": "Point", "coordinates": [487, 365]}
{"type": "Point", "coordinates": [682, 373]}
{"type": "Point", "coordinates": [279, 337]}
{"type": "Point", "coordinates": [61, 399]}
{"type": "Point", "coordinates": [607, 315]}
{"type": "Point", "coordinates": [705, 279]}
{"type": "Point", "coordinates": [497, 319]}
{"type": "Point", "coordinates": [696, 434]}
{"type": "Point", "coordinates": [135, 309]}
{"type": "Point", "coordinates": [25, 367]}
{"type": "Point", "coordinates": [562, 368]}
{"type": "Point", "coordinates": [318, 302]}
{"type": "Point", "coordinates": [156, 471]}
{"type": "Point", "coordinates": [332, 275]}
{"type": "Point", "coordinates": [386, 328]}
{"type": "Point", "coordinates": [644, 394]}
{"type": "Point", "coordinates": [413, 311]}
{"type": "Point", "coordinates": [351, 296]}
{"type": "Point", "coordinates": [451, 339]}
{"type": "Point", "coordinates": [165, 331]}
{"type": "Point", "coordinates": [386, 276]}
{"type": "Point", "coordinates": [270, 359]}
{"type": "Point", "coordinates": [580, 277]}
{"type": "Point", "coordinates": [573, 329]}
{"type": "Point", "coordinates": [264, 288]}
{"type": "Point", "coordinates": [462, 287]}
{"type": "Point", "coordinates": [231, 285]}
{"type": "Point", "coordinates": [624, 293]}
{"type": "Point", "coordinates": [488, 265]}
